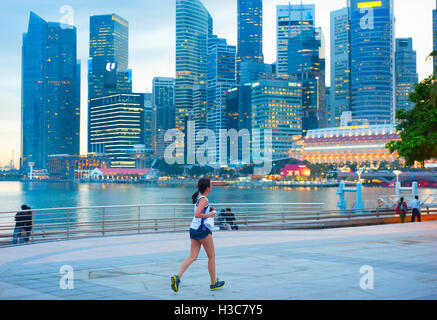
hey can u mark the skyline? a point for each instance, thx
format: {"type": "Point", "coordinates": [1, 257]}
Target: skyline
{"type": "Point", "coordinates": [150, 57]}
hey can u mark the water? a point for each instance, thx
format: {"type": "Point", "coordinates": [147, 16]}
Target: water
{"type": "Point", "coordinates": [59, 195]}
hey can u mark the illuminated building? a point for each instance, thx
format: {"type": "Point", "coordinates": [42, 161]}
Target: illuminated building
{"type": "Point", "coordinates": [276, 105]}
{"type": "Point", "coordinates": [340, 65]}
{"type": "Point", "coordinates": [434, 35]}
{"type": "Point", "coordinates": [291, 20]}
{"type": "Point", "coordinates": [358, 142]}
{"type": "Point", "coordinates": [69, 168]}
{"type": "Point", "coordinates": [406, 72]}
{"type": "Point", "coordinates": [193, 28]}
{"type": "Point", "coordinates": [116, 124]}
{"type": "Point", "coordinates": [250, 33]}
{"type": "Point", "coordinates": [295, 170]}
{"type": "Point", "coordinates": [306, 65]}
{"type": "Point", "coordinates": [50, 106]}
{"type": "Point", "coordinates": [372, 60]}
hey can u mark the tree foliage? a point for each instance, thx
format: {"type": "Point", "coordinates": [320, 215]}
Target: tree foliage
{"type": "Point", "coordinates": [418, 126]}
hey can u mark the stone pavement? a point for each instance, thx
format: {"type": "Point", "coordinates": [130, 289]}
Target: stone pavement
{"type": "Point", "coordinates": [304, 264]}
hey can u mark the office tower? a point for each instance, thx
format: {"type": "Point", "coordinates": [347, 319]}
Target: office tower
{"type": "Point", "coordinates": [329, 109]}
{"type": "Point", "coordinates": [291, 20]}
{"type": "Point", "coordinates": [220, 78]}
{"type": "Point", "coordinates": [149, 123]}
{"type": "Point", "coordinates": [372, 61]}
{"type": "Point", "coordinates": [306, 66]}
{"type": "Point", "coordinates": [164, 109]}
{"type": "Point", "coordinates": [340, 65]}
{"type": "Point", "coordinates": [115, 134]}
{"type": "Point", "coordinates": [50, 107]}
{"type": "Point", "coordinates": [108, 56]}
{"type": "Point", "coordinates": [434, 37]}
{"type": "Point", "coordinates": [250, 33]}
{"type": "Point", "coordinates": [406, 72]}
{"type": "Point", "coordinates": [193, 28]}
{"type": "Point", "coordinates": [277, 105]}
{"type": "Point", "coordinates": [254, 71]}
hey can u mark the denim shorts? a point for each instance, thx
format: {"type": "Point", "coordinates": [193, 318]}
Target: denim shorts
{"type": "Point", "coordinates": [199, 234]}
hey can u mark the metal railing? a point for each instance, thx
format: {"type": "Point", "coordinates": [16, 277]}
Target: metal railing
{"type": "Point", "coordinates": [80, 222]}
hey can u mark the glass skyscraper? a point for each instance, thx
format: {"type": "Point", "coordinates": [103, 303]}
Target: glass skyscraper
{"type": "Point", "coordinates": [340, 66]}
{"type": "Point", "coordinates": [306, 66]}
{"type": "Point", "coordinates": [250, 33]}
{"type": "Point", "coordinates": [434, 37]}
{"type": "Point", "coordinates": [291, 20]}
{"type": "Point", "coordinates": [372, 61]}
{"type": "Point", "coordinates": [193, 28]}
{"type": "Point", "coordinates": [108, 60]}
{"type": "Point", "coordinates": [406, 72]}
{"type": "Point", "coordinates": [277, 105]}
{"type": "Point", "coordinates": [125, 127]}
{"type": "Point", "coordinates": [50, 107]}
{"type": "Point", "coordinates": [220, 78]}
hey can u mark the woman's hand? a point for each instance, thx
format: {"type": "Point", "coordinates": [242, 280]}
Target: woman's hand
{"type": "Point", "coordinates": [212, 214]}
{"type": "Point", "coordinates": [213, 209]}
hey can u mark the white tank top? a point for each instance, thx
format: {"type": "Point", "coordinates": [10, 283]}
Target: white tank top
{"type": "Point", "coordinates": [199, 222]}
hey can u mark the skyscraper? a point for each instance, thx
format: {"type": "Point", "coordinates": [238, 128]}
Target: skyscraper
{"type": "Point", "coordinates": [108, 60]}
{"type": "Point", "coordinates": [149, 122]}
{"type": "Point", "coordinates": [434, 37]}
{"type": "Point", "coordinates": [372, 65]}
{"type": "Point", "coordinates": [340, 65]}
{"type": "Point", "coordinates": [277, 105]}
{"type": "Point", "coordinates": [406, 72]}
{"type": "Point", "coordinates": [291, 20]}
{"type": "Point", "coordinates": [121, 131]}
{"type": "Point", "coordinates": [50, 109]}
{"type": "Point", "coordinates": [193, 28]}
{"type": "Point", "coordinates": [164, 109]}
{"type": "Point", "coordinates": [250, 32]}
{"type": "Point", "coordinates": [220, 78]}
{"type": "Point", "coordinates": [306, 65]}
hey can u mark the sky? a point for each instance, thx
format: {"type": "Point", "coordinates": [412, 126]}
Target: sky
{"type": "Point", "coordinates": [152, 36]}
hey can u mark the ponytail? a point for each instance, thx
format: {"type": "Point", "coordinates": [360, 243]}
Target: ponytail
{"type": "Point", "coordinates": [202, 185]}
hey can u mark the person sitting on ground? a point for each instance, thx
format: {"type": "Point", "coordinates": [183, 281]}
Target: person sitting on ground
{"type": "Point", "coordinates": [382, 205]}
{"type": "Point", "coordinates": [230, 218]}
{"type": "Point", "coordinates": [402, 209]}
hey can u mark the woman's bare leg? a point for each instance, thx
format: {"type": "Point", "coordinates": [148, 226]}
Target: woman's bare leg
{"type": "Point", "coordinates": [208, 245]}
{"type": "Point", "coordinates": [194, 252]}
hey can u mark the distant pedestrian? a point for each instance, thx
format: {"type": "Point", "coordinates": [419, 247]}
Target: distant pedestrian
{"type": "Point", "coordinates": [402, 209]}
{"type": "Point", "coordinates": [27, 223]}
{"type": "Point", "coordinates": [201, 235]}
{"type": "Point", "coordinates": [415, 206]}
{"type": "Point", "coordinates": [20, 218]}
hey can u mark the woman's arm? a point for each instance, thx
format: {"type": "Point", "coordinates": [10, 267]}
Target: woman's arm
{"type": "Point", "coordinates": [202, 204]}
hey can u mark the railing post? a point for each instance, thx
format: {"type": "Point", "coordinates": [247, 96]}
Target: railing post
{"type": "Point", "coordinates": [247, 221]}
{"type": "Point", "coordinates": [103, 221]}
{"type": "Point", "coordinates": [427, 210]}
{"type": "Point", "coordinates": [174, 219]}
{"type": "Point", "coordinates": [68, 223]}
{"type": "Point", "coordinates": [156, 225]}
{"type": "Point", "coordinates": [139, 219]}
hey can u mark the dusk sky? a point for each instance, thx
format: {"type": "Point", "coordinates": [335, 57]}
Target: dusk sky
{"type": "Point", "coordinates": [152, 43]}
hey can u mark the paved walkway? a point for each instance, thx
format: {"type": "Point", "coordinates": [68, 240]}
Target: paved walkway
{"type": "Point", "coordinates": [317, 264]}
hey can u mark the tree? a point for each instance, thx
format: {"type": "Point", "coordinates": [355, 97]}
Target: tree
{"type": "Point", "coordinates": [418, 126]}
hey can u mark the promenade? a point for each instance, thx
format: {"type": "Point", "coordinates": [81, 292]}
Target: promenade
{"type": "Point", "coordinates": [295, 264]}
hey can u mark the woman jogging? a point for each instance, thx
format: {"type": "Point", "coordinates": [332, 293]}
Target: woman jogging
{"type": "Point", "coordinates": [200, 235]}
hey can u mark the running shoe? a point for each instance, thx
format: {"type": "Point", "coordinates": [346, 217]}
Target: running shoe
{"type": "Point", "coordinates": [217, 285]}
{"type": "Point", "coordinates": [175, 283]}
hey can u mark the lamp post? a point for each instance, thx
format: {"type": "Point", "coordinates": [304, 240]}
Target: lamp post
{"type": "Point", "coordinates": [398, 184]}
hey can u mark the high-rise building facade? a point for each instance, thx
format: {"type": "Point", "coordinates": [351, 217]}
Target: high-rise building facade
{"type": "Point", "coordinates": [250, 32]}
{"type": "Point", "coordinates": [108, 56]}
{"type": "Point", "coordinates": [50, 107]}
{"type": "Point", "coordinates": [277, 105]}
{"type": "Point", "coordinates": [193, 28]}
{"type": "Point", "coordinates": [149, 123]}
{"type": "Point", "coordinates": [117, 123]}
{"type": "Point", "coordinates": [306, 65]}
{"type": "Point", "coordinates": [254, 71]}
{"type": "Point", "coordinates": [372, 61]}
{"type": "Point", "coordinates": [220, 79]}
{"type": "Point", "coordinates": [164, 109]}
{"type": "Point", "coordinates": [291, 20]}
{"type": "Point", "coordinates": [340, 65]}
{"type": "Point", "coordinates": [434, 35]}
{"type": "Point", "coordinates": [406, 72]}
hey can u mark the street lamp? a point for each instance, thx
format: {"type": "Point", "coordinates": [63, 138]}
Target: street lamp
{"type": "Point", "coordinates": [359, 172]}
{"type": "Point", "coordinates": [397, 173]}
